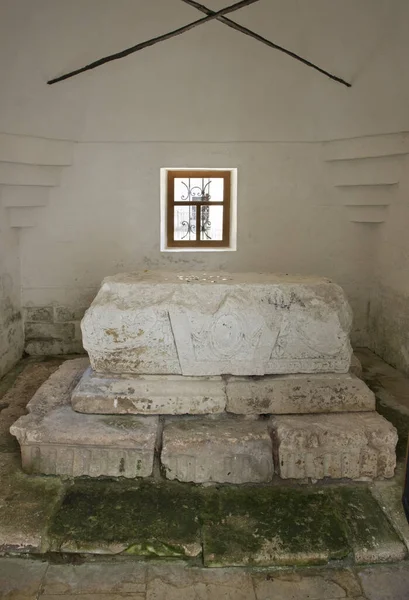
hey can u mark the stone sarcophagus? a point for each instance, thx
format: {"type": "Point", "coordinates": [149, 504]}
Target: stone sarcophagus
{"type": "Point", "coordinates": [200, 325]}
{"type": "Point", "coordinates": [250, 374]}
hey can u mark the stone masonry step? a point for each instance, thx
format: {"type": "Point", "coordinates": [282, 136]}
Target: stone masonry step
{"type": "Point", "coordinates": [175, 394]}
{"type": "Point", "coordinates": [148, 394]}
{"type": "Point", "coordinates": [357, 446]}
{"type": "Point", "coordinates": [56, 440]}
{"type": "Point", "coordinates": [224, 450]}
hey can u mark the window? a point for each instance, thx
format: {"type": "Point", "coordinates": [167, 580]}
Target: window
{"type": "Point", "coordinates": [197, 209]}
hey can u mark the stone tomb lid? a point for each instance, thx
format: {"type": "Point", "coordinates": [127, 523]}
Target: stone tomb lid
{"type": "Point", "coordinates": [215, 276]}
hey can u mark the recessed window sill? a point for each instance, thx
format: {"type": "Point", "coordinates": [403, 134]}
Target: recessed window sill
{"type": "Point", "coordinates": [198, 249]}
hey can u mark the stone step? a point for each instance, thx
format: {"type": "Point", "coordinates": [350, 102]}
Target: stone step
{"type": "Point", "coordinates": [223, 450]}
{"type": "Point", "coordinates": [366, 147]}
{"type": "Point", "coordinates": [373, 171]}
{"type": "Point", "coordinates": [32, 150]}
{"type": "Point", "coordinates": [174, 394]}
{"type": "Point", "coordinates": [359, 446]}
{"type": "Point", "coordinates": [13, 196]}
{"type": "Point", "coordinates": [22, 217]}
{"type": "Point", "coordinates": [22, 174]}
{"type": "Point", "coordinates": [367, 214]}
{"type": "Point", "coordinates": [298, 394]}
{"type": "Point", "coordinates": [56, 440]}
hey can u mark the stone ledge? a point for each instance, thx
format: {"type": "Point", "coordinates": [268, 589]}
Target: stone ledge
{"type": "Point", "coordinates": [359, 446]}
{"type": "Point", "coordinates": [177, 395]}
{"type": "Point", "coordinates": [223, 450]}
{"type": "Point", "coordinates": [149, 394]}
{"type": "Point", "coordinates": [292, 394]}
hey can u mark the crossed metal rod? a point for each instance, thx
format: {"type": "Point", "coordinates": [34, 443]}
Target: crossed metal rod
{"type": "Point", "coordinates": [210, 16]}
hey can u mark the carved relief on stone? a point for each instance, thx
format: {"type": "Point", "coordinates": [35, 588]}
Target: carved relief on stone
{"type": "Point", "coordinates": [235, 339]}
{"type": "Point", "coordinates": [128, 341]}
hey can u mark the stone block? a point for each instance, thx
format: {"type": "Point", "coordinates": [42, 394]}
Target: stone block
{"type": "Point", "coordinates": [53, 331]}
{"type": "Point", "coordinates": [359, 446]}
{"type": "Point", "coordinates": [49, 347]}
{"type": "Point", "coordinates": [196, 325]}
{"type": "Point", "coordinates": [38, 314]}
{"type": "Point", "coordinates": [64, 314]}
{"type": "Point", "coordinates": [224, 450]}
{"type": "Point", "coordinates": [55, 440]}
{"type": "Point", "coordinates": [148, 394]}
{"type": "Point", "coordinates": [289, 394]}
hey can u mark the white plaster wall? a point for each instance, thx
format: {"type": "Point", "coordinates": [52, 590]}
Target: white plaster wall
{"type": "Point", "coordinates": [11, 325]}
{"type": "Point", "coordinates": [104, 219]}
{"type": "Point", "coordinates": [210, 84]}
{"type": "Point", "coordinates": [209, 98]}
{"type": "Point", "coordinates": [389, 313]}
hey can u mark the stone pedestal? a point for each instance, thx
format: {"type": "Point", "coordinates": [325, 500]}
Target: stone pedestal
{"type": "Point", "coordinates": [261, 360]}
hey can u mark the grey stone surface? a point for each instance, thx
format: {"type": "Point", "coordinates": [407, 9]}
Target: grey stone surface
{"type": "Point", "coordinates": [50, 347]}
{"type": "Point", "coordinates": [386, 583]}
{"type": "Point", "coordinates": [96, 578]}
{"type": "Point", "coordinates": [21, 578]}
{"type": "Point", "coordinates": [38, 314]}
{"type": "Point", "coordinates": [314, 586]}
{"type": "Point", "coordinates": [242, 324]}
{"type": "Point", "coordinates": [64, 314]}
{"type": "Point", "coordinates": [55, 440]}
{"type": "Point", "coordinates": [26, 505]}
{"type": "Point", "coordinates": [181, 583]}
{"type": "Point", "coordinates": [55, 331]}
{"type": "Point", "coordinates": [389, 325]}
{"type": "Point", "coordinates": [289, 394]}
{"type": "Point", "coordinates": [225, 450]}
{"type": "Point", "coordinates": [389, 497]}
{"type": "Point", "coordinates": [148, 394]}
{"type": "Point", "coordinates": [357, 446]}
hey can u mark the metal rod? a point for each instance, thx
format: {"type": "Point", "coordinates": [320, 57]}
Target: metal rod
{"type": "Point", "coordinates": [153, 41]}
{"type": "Point", "coordinates": [264, 40]}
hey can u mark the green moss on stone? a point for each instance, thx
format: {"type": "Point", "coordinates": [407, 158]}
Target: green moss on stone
{"type": "Point", "coordinates": [146, 518]}
{"type": "Point", "coordinates": [369, 531]}
{"type": "Point", "coordinates": [267, 526]}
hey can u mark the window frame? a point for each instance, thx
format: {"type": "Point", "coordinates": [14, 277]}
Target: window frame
{"type": "Point", "coordinates": [198, 244]}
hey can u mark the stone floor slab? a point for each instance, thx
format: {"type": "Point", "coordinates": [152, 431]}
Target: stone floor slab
{"type": "Point", "coordinates": [144, 518]}
{"type": "Point", "coordinates": [271, 526]}
{"type": "Point", "coordinates": [105, 596]}
{"type": "Point", "coordinates": [369, 532]}
{"type": "Point", "coordinates": [226, 450]}
{"type": "Point", "coordinates": [388, 494]}
{"type": "Point", "coordinates": [181, 583]}
{"type": "Point", "coordinates": [358, 446]}
{"type": "Point", "coordinates": [95, 578]}
{"type": "Point", "coordinates": [21, 578]}
{"type": "Point", "coordinates": [298, 394]}
{"type": "Point", "coordinates": [26, 505]}
{"type": "Point", "coordinates": [148, 394]}
{"type": "Point", "coordinates": [386, 583]}
{"type": "Point", "coordinates": [297, 586]}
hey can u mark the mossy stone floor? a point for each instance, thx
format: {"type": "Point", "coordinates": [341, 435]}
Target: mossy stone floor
{"type": "Point", "coordinates": [274, 525]}
{"type": "Point", "coordinates": [225, 526]}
